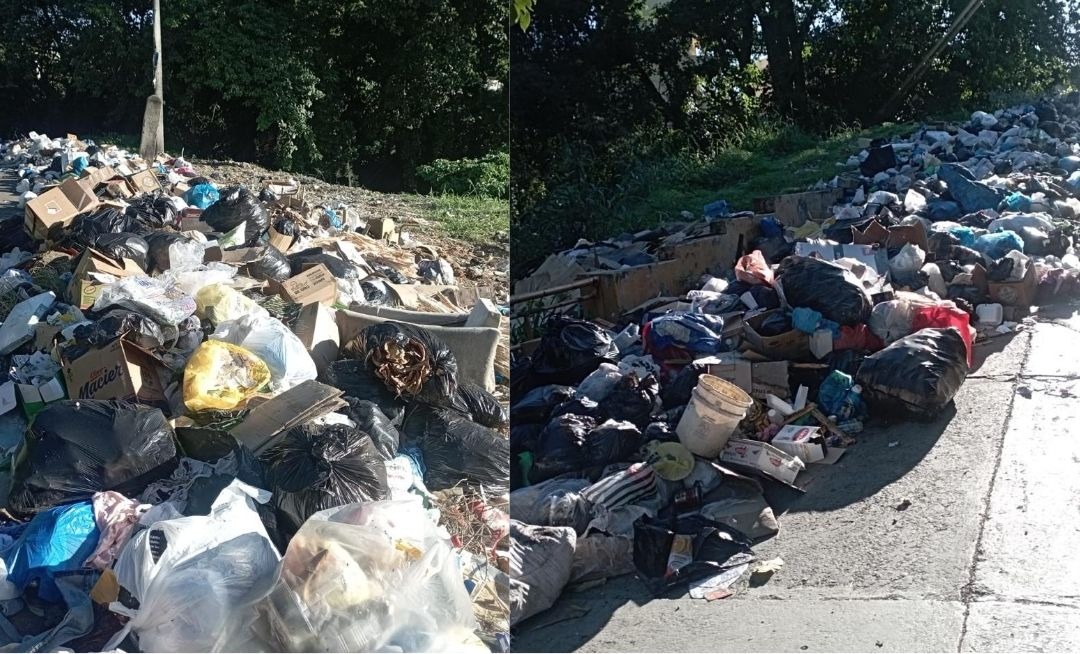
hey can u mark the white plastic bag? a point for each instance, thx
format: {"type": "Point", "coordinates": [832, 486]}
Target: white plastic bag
{"type": "Point", "coordinates": [153, 296]}
{"type": "Point", "coordinates": [375, 576]}
{"type": "Point", "coordinates": [908, 260]}
{"type": "Point", "coordinates": [270, 340]}
{"type": "Point", "coordinates": [600, 382]}
{"type": "Point", "coordinates": [197, 596]}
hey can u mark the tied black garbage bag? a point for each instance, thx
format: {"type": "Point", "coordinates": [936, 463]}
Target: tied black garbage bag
{"type": "Point", "coordinates": [124, 245]}
{"type": "Point", "coordinates": [377, 292]}
{"type": "Point", "coordinates": [238, 206]}
{"type": "Point", "coordinates": [356, 381]}
{"type": "Point", "coordinates": [136, 327]}
{"type": "Point", "coordinates": [825, 287]}
{"type": "Point", "coordinates": [153, 211]}
{"type": "Point", "coordinates": [270, 264]}
{"type": "Point", "coordinates": [632, 400]}
{"type": "Point", "coordinates": [298, 261]}
{"type": "Point", "coordinates": [410, 360]}
{"type": "Point", "coordinates": [87, 227]}
{"type": "Point", "coordinates": [211, 445]}
{"type": "Point", "coordinates": [571, 443]}
{"type": "Point", "coordinates": [570, 350]}
{"type": "Point", "coordinates": [457, 449]}
{"type": "Point", "coordinates": [579, 406]}
{"type": "Point", "coordinates": [318, 467]}
{"type": "Point", "coordinates": [159, 243]}
{"type": "Point", "coordinates": [918, 374]}
{"type": "Point", "coordinates": [525, 437]}
{"type": "Point", "coordinates": [78, 448]}
{"type": "Point", "coordinates": [536, 405]}
{"type": "Point", "coordinates": [483, 407]}
{"type": "Point", "coordinates": [370, 419]}
{"type": "Point", "coordinates": [677, 392]}
{"type": "Point", "coordinates": [703, 548]}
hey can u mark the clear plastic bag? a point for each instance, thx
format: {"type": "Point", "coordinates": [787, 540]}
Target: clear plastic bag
{"type": "Point", "coordinates": [370, 577]}
{"type": "Point", "coordinates": [221, 375]}
{"type": "Point", "coordinates": [154, 296]}
{"type": "Point", "coordinates": [270, 340]}
{"type": "Point", "coordinates": [196, 596]}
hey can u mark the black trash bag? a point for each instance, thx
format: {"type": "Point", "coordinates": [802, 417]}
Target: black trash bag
{"type": "Point", "coordinates": [370, 419]}
{"type": "Point", "coordinates": [376, 292]}
{"type": "Point", "coordinates": [659, 431]}
{"type": "Point", "coordinates": [266, 195]}
{"type": "Point", "coordinates": [124, 245]}
{"type": "Point", "coordinates": [1036, 241]}
{"type": "Point", "coordinates": [410, 360]}
{"type": "Point", "coordinates": [765, 296]}
{"type": "Point", "coordinates": [570, 350]}
{"type": "Point", "coordinates": [356, 381]}
{"type": "Point", "coordinates": [212, 445]}
{"type": "Point", "coordinates": [967, 293]}
{"type": "Point", "coordinates": [918, 374]}
{"type": "Point", "coordinates": [878, 159]}
{"type": "Point", "coordinates": [774, 325]}
{"type": "Point", "coordinates": [314, 256]}
{"type": "Point", "coordinates": [714, 548]}
{"type": "Point", "coordinates": [940, 242]}
{"type": "Point", "coordinates": [286, 226]}
{"type": "Point", "coordinates": [579, 406]}
{"type": "Point", "coordinates": [484, 407]}
{"type": "Point", "coordinates": [525, 437]}
{"type": "Point", "coordinates": [999, 271]}
{"type": "Point", "coordinates": [677, 392]}
{"type": "Point", "coordinates": [153, 211]}
{"type": "Point", "coordinates": [613, 441]}
{"type": "Point", "coordinates": [271, 263]}
{"type": "Point", "coordinates": [87, 227]}
{"type": "Point", "coordinates": [238, 206]}
{"type": "Point", "coordinates": [135, 327]}
{"type": "Point", "coordinates": [78, 448]}
{"type": "Point", "coordinates": [825, 287]}
{"type": "Point", "coordinates": [965, 256]}
{"type": "Point", "coordinates": [561, 447]}
{"type": "Point", "coordinates": [632, 400]}
{"type": "Point", "coordinates": [457, 449]}
{"type": "Point", "coordinates": [394, 275]}
{"type": "Point", "coordinates": [537, 404]}
{"type": "Point", "coordinates": [12, 234]}
{"type": "Point", "coordinates": [317, 467]}
{"type": "Point", "coordinates": [159, 243]}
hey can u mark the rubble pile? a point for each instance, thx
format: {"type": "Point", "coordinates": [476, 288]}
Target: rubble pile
{"type": "Point", "coordinates": [233, 394]}
{"type": "Point", "coordinates": [647, 440]}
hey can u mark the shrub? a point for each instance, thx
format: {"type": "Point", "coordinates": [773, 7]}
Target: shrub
{"type": "Point", "coordinates": [485, 177]}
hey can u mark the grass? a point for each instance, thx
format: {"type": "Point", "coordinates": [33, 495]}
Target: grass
{"type": "Point", "coordinates": [470, 218]}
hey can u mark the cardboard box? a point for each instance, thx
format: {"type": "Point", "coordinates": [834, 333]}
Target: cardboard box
{"type": "Point", "coordinates": [50, 208]}
{"type": "Point", "coordinates": [317, 329]}
{"type": "Point", "coordinates": [279, 240]}
{"type": "Point", "coordinates": [807, 443]}
{"type": "Point", "coordinates": [179, 189]}
{"type": "Point", "coordinates": [118, 371]}
{"type": "Point", "coordinates": [315, 284]}
{"type": "Point", "coordinates": [98, 176]}
{"type": "Point", "coordinates": [144, 181]}
{"type": "Point", "coordinates": [384, 229]}
{"type": "Point", "coordinates": [759, 379]}
{"type": "Point", "coordinates": [891, 238]}
{"type": "Point", "coordinates": [873, 257]}
{"type": "Point", "coordinates": [792, 345]}
{"type": "Point", "coordinates": [763, 458]}
{"type": "Point", "coordinates": [84, 289]}
{"type": "Point", "coordinates": [1015, 294]}
{"type": "Point", "coordinates": [794, 209]}
{"type": "Point", "coordinates": [34, 398]}
{"type": "Point", "coordinates": [80, 192]}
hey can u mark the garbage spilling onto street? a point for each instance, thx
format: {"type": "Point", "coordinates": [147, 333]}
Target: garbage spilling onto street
{"type": "Point", "coordinates": [235, 420]}
{"type": "Point", "coordinates": [716, 359]}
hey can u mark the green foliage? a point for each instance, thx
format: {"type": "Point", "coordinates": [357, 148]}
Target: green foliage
{"type": "Point", "coordinates": [470, 218]}
{"type": "Point", "coordinates": [523, 12]}
{"type": "Point", "coordinates": [487, 177]}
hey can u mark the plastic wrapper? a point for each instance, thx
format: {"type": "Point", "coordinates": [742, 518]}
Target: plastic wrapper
{"type": "Point", "coordinates": [827, 288]}
{"type": "Point", "coordinates": [124, 245]}
{"type": "Point", "coordinates": [222, 376]}
{"type": "Point", "coordinates": [411, 361]}
{"type": "Point", "coordinates": [275, 344]}
{"type": "Point", "coordinates": [918, 374]}
{"type": "Point", "coordinates": [271, 264]}
{"type": "Point", "coordinates": [370, 419]}
{"type": "Point", "coordinates": [372, 577]}
{"type": "Point", "coordinates": [671, 552]}
{"type": "Point", "coordinates": [57, 540]}
{"type": "Point", "coordinates": [356, 380]}
{"type": "Point", "coordinates": [541, 559]}
{"type": "Point", "coordinates": [197, 595]}
{"type": "Point", "coordinates": [456, 449]}
{"type": "Point", "coordinates": [753, 269]}
{"type": "Point", "coordinates": [536, 405]}
{"type": "Point", "coordinates": [238, 206]}
{"type": "Point", "coordinates": [153, 296]}
{"type": "Point", "coordinates": [316, 467]}
{"type": "Point", "coordinates": [79, 448]}
{"type": "Point", "coordinates": [632, 400]}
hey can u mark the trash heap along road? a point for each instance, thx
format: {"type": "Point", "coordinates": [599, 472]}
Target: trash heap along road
{"type": "Point", "coordinates": [724, 356]}
{"type": "Point", "coordinates": [236, 421]}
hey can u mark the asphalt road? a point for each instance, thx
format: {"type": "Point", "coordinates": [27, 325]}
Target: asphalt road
{"type": "Point", "coordinates": [983, 559]}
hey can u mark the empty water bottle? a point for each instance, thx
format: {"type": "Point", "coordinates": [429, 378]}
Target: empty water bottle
{"type": "Point", "coordinates": [852, 406]}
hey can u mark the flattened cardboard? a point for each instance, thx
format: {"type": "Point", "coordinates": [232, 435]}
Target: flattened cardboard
{"type": "Point", "coordinates": [34, 398]}
{"type": "Point", "coordinates": [80, 193]}
{"type": "Point", "coordinates": [316, 284]}
{"type": "Point", "coordinates": [97, 176]}
{"type": "Point", "coordinates": [118, 371]}
{"type": "Point", "coordinates": [144, 181]}
{"type": "Point", "coordinates": [50, 208]}
{"type": "Point", "coordinates": [264, 424]}
{"type": "Point", "coordinates": [794, 209]}
{"type": "Point", "coordinates": [763, 458]}
{"type": "Point", "coordinates": [83, 289]}
{"type": "Point", "coordinates": [316, 327]}
{"type": "Point", "coordinates": [792, 345]}
{"type": "Point", "coordinates": [893, 237]}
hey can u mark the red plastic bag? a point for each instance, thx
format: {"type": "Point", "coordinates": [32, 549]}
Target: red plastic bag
{"type": "Point", "coordinates": [859, 337]}
{"type": "Point", "coordinates": [944, 315]}
{"type": "Point", "coordinates": [753, 269]}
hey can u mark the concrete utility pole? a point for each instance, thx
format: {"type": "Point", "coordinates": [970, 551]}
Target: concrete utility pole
{"type": "Point", "coordinates": [153, 131]}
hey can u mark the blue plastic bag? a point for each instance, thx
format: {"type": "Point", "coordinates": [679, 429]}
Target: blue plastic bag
{"type": "Point", "coordinates": [202, 195]}
{"type": "Point", "coordinates": [1018, 202]}
{"type": "Point", "coordinates": [717, 209]}
{"type": "Point", "coordinates": [699, 333]}
{"type": "Point", "coordinates": [80, 164]}
{"type": "Point", "coordinates": [805, 320]}
{"type": "Point", "coordinates": [997, 244]}
{"type": "Point", "coordinates": [57, 540]}
{"type": "Point", "coordinates": [771, 227]}
{"type": "Point", "coordinates": [333, 219]}
{"type": "Point", "coordinates": [833, 391]}
{"type": "Point", "coordinates": [965, 234]}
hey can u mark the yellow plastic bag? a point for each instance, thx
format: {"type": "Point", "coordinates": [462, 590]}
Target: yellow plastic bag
{"type": "Point", "coordinates": [221, 375]}
{"type": "Point", "coordinates": [219, 303]}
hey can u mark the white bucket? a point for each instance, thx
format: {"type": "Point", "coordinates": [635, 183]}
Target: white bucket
{"type": "Point", "coordinates": [715, 409]}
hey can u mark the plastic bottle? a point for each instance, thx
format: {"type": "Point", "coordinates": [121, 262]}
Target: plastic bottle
{"type": "Point", "coordinates": [852, 404]}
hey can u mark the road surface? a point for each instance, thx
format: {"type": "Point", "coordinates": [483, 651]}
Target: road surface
{"type": "Point", "coordinates": [983, 559]}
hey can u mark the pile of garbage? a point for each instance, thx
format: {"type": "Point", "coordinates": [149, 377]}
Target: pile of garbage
{"type": "Point", "coordinates": [644, 445]}
{"type": "Point", "coordinates": [231, 395]}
